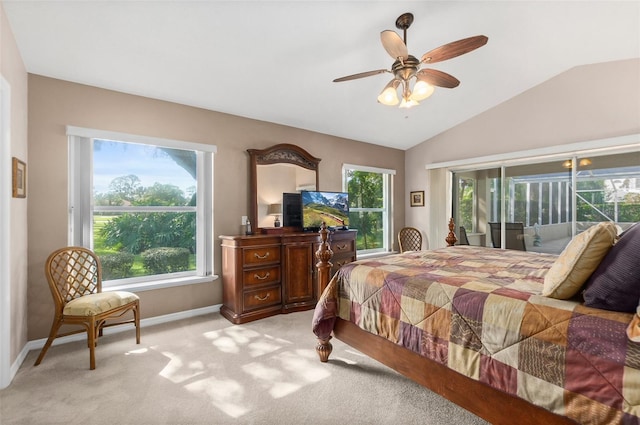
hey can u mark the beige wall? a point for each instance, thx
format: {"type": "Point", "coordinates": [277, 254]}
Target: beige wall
{"type": "Point", "coordinates": [14, 72]}
{"type": "Point", "coordinates": [585, 103]}
{"type": "Point", "coordinates": [53, 104]}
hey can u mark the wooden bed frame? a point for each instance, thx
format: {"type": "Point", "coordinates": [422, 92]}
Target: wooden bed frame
{"type": "Point", "coordinates": [491, 404]}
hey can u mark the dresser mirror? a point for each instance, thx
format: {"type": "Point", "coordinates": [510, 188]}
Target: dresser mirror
{"type": "Point", "coordinates": [282, 168]}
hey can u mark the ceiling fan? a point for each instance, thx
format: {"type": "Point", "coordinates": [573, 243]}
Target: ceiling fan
{"type": "Point", "coordinates": [407, 67]}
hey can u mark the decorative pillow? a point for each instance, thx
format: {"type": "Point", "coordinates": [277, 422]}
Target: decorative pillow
{"type": "Point", "coordinates": [578, 260]}
{"type": "Point", "coordinates": [615, 284]}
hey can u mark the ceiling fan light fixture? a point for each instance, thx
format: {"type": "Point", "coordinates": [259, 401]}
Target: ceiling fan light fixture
{"type": "Point", "coordinates": [421, 90]}
{"type": "Point", "coordinates": [408, 103]}
{"type": "Point", "coordinates": [407, 67]}
{"type": "Point", "coordinates": [389, 95]}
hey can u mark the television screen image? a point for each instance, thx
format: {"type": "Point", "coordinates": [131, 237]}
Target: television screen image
{"type": "Point", "coordinates": [329, 207]}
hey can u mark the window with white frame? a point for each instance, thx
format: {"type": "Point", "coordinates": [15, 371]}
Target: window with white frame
{"type": "Point", "coordinates": [144, 205]}
{"type": "Point", "coordinates": [369, 191]}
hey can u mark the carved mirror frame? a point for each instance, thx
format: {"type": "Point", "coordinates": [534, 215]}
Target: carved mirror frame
{"type": "Point", "coordinates": [283, 153]}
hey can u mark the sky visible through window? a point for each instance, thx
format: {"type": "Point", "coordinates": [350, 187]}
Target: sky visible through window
{"type": "Point", "coordinates": [116, 159]}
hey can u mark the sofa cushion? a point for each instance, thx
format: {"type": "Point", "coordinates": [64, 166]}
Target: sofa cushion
{"type": "Point", "coordinates": [579, 259]}
{"type": "Point", "coordinates": [615, 284]}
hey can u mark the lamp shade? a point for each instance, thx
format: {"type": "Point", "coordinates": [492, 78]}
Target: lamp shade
{"type": "Point", "coordinates": [274, 209]}
{"type": "Point", "coordinates": [389, 95]}
{"type": "Point", "coordinates": [408, 103]}
{"type": "Point", "coordinates": [421, 90]}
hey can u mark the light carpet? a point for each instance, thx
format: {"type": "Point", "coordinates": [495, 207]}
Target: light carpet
{"type": "Point", "coordinates": [205, 370]}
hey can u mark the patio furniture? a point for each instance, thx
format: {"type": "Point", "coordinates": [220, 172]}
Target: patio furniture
{"type": "Point", "coordinates": [463, 237]}
{"type": "Point", "coordinates": [514, 237]}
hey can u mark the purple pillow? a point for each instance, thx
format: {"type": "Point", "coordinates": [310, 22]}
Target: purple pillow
{"type": "Point", "coordinates": [615, 284]}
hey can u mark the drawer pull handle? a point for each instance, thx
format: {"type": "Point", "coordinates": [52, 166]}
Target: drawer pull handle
{"type": "Point", "coordinates": [261, 257]}
{"type": "Point", "coordinates": [341, 247]}
{"type": "Point", "coordinates": [342, 263]}
{"type": "Point", "coordinates": [265, 276]}
{"type": "Point", "coordinates": [262, 298]}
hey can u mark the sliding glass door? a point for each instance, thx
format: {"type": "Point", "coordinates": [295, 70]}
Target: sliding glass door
{"type": "Point", "coordinates": [540, 205]}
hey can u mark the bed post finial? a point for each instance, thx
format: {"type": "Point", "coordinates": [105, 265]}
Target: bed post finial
{"type": "Point", "coordinates": [451, 237]}
{"type": "Point", "coordinates": [323, 255]}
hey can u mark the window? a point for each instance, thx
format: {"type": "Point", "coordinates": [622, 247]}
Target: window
{"type": "Point", "coordinates": [369, 191]}
{"type": "Point", "coordinates": [144, 205]}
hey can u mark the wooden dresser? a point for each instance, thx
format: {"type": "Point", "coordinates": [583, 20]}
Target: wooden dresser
{"type": "Point", "coordinates": [263, 275]}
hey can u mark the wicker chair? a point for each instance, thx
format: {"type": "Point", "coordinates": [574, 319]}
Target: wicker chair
{"type": "Point", "coordinates": [514, 237]}
{"type": "Point", "coordinates": [74, 275]}
{"type": "Point", "coordinates": [409, 239]}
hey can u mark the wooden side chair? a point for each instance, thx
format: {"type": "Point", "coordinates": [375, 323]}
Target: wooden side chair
{"type": "Point", "coordinates": [409, 239]}
{"type": "Point", "coordinates": [74, 275]}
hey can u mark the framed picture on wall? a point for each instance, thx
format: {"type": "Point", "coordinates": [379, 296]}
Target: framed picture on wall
{"type": "Point", "coordinates": [19, 174]}
{"type": "Point", "coordinates": [417, 198]}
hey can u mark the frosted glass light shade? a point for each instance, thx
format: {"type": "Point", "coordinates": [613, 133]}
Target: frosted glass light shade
{"type": "Point", "coordinates": [389, 95]}
{"type": "Point", "coordinates": [408, 103]}
{"type": "Point", "coordinates": [422, 90]}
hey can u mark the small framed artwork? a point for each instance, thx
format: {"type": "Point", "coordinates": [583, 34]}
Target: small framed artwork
{"type": "Point", "coordinates": [19, 171]}
{"type": "Point", "coordinates": [417, 198]}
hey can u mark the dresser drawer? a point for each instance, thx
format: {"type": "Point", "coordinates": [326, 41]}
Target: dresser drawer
{"type": "Point", "coordinates": [260, 298]}
{"type": "Point", "coordinates": [262, 276]}
{"type": "Point", "coordinates": [342, 260]}
{"type": "Point", "coordinates": [262, 255]}
{"type": "Point", "coordinates": [343, 246]}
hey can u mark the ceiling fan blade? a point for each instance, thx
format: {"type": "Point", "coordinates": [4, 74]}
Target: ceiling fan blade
{"type": "Point", "coordinates": [360, 75]}
{"type": "Point", "coordinates": [453, 49]}
{"type": "Point", "coordinates": [393, 44]}
{"type": "Point", "coordinates": [437, 78]}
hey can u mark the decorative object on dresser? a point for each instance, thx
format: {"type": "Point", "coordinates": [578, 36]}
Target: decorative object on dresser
{"type": "Point", "coordinates": [275, 210]}
{"type": "Point", "coordinates": [268, 274]}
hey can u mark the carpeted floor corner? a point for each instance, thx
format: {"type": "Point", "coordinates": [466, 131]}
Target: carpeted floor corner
{"type": "Point", "coordinates": [205, 370]}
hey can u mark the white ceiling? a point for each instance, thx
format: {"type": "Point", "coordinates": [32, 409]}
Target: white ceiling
{"type": "Point", "coordinates": [275, 60]}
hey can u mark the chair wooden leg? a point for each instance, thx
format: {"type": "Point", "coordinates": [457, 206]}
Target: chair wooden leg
{"type": "Point", "coordinates": [136, 317]}
{"type": "Point", "coordinates": [91, 337]}
{"type": "Point", "coordinates": [52, 335]}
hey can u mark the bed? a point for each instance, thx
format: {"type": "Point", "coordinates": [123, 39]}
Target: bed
{"type": "Point", "coordinates": [505, 334]}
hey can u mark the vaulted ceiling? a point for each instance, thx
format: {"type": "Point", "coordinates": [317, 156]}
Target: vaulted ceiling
{"type": "Point", "coordinates": [275, 60]}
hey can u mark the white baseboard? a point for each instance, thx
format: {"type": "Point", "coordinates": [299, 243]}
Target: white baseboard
{"type": "Point", "coordinates": [151, 321]}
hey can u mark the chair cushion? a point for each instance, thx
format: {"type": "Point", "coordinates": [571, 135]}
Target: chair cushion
{"type": "Point", "coordinates": [94, 304]}
{"type": "Point", "coordinates": [578, 260]}
{"type": "Point", "coordinates": [615, 284]}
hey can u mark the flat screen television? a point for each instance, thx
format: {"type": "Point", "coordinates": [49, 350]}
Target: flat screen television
{"type": "Point", "coordinates": [329, 207]}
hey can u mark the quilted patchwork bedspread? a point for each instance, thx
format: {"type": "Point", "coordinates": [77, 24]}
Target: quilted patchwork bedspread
{"type": "Point", "coordinates": [479, 311]}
